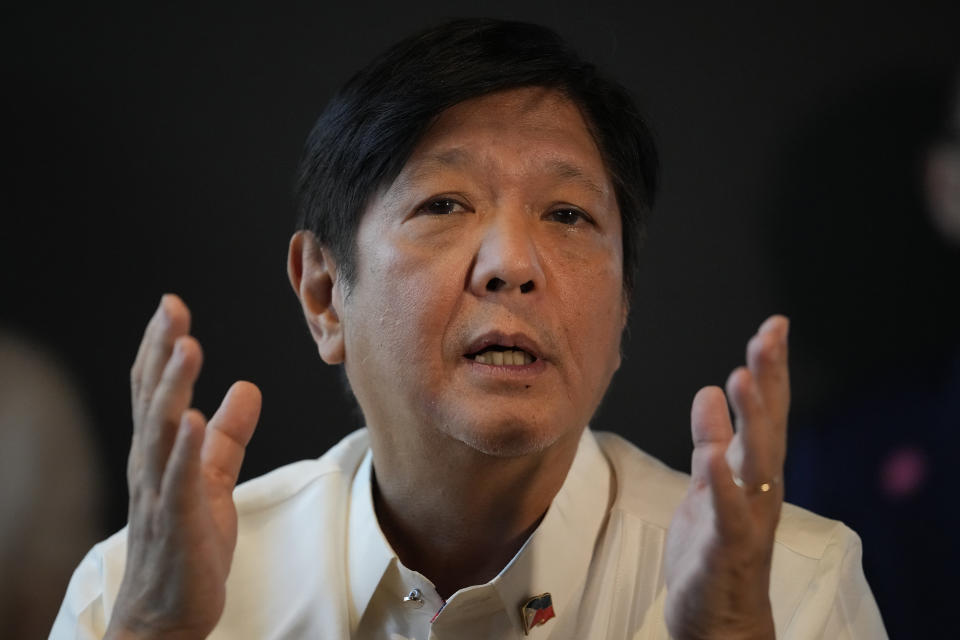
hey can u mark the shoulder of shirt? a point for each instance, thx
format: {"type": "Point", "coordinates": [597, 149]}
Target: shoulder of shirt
{"type": "Point", "coordinates": [649, 490]}
{"type": "Point", "coordinates": [335, 467]}
{"type": "Point", "coordinates": [330, 475]}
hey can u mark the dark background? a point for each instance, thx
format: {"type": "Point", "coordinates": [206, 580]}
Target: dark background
{"type": "Point", "coordinates": [152, 149]}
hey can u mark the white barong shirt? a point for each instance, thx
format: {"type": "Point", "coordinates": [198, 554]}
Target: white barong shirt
{"type": "Point", "coordinates": [312, 562]}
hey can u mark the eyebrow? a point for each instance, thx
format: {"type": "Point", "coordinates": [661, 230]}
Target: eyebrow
{"type": "Point", "coordinates": [458, 158]}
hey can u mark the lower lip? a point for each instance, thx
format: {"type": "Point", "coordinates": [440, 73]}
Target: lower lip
{"type": "Point", "coordinates": [506, 372]}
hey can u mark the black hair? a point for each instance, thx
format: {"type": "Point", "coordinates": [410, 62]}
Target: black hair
{"type": "Point", "coordinates": [372, 124]}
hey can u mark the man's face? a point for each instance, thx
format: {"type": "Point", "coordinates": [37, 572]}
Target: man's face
{"type": "Point", "coordinates": [488, 302]}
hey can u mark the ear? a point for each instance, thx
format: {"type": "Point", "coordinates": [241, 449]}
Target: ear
{"type": "Point", "coordinates": [313, 276]}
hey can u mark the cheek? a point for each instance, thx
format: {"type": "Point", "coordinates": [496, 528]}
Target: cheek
{"type": "Point", "coordinates": [410, 297]}
{"type": "Point", "coordinates": [592, 294]}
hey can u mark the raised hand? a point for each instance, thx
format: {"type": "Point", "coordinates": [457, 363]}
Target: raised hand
{"type": "Point", "coordinates": [181, 473]}
{"type": "Point", "coordinates": [720, 542]}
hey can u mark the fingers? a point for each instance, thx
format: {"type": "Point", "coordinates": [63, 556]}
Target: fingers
{"type": "Point", "coordinates": [170, 400]}
{"type": "Point", "coordinates": [767, 360]}
{"type": "Point", "coordinates": [182, 478]}
{"type": "Point", "coordinates": [170, 321]}
{"type": "Point", "coordinates": [750, 454]}
{"type": "Point", "coordinates": [710, 428]}
{"type": "Point", "coordinates": [760, 396]}
{"type": "Point", "coordinates": [728, 499]}
{"type": "Point", "coordinates": [166, 368]}
{"type": "Point", "coordinates": [710, 417]}
{"type": "Point", "coordinates": [229, 431]}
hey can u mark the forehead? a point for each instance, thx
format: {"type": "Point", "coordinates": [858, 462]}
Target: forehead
{"type": "Point", "coordinates": [535, 108]}
{"type": "Point", "coordinates": [523, 131]}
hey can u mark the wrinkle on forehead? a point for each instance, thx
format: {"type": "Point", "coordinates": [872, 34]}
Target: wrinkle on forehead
{"type": "Point", "coordinates": [462, 159]}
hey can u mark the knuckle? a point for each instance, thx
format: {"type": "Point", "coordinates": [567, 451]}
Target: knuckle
{"type": "Point", "coordinates": [133, 462]}
{"type": "Point", "coordinates": [169, 424]}
{"type": "Point", "coordinates": [737, 382]}
{"type": "Point", "coordinates": [187, 354]}
{"type": "Point", "coordinates": [157, 520]}
{"type": "Point", "coordinates": [141, 502]}
{"type": "Point", "coordinates": [219, 476]}
{"type": "Point", "coordinates": [767, 358]}
{"type": "Point", "coordinates": [188, 345]}
{"type": "Point", "coordinates": [763, 349]}
{"type": "Point", "coordinates": [135, 408]}
{"type": "Point", "coordinates": [136, 489]}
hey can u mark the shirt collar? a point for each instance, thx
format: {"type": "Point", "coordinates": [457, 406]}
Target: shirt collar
{"type": "Point", "coordinates": [555, 559]}
{"type": "Point", "coordinates": [368, 552]}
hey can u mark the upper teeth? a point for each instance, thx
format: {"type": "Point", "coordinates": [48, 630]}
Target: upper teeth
{"type": "Point", "coordinates": [511, 357]}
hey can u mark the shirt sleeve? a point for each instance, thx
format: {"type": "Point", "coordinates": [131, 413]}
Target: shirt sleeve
{"type": "Point", "coordinates": [838, 604]}
{"type": "Point", "coordinates": [81, 616]}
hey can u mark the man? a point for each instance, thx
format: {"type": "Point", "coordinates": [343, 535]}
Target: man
{"type": "Point", "coordinates": [471, 206]}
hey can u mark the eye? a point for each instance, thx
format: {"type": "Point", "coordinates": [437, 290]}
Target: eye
{"type": "Point", "coordinates": [440, 207]}
{"type": "Point", "coordinates": [569, 216]}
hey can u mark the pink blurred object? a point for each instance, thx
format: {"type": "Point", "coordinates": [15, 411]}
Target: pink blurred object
{"type": "Point", "coordinates": [903, 472]}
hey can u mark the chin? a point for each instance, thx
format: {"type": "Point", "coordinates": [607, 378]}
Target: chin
{"type": "Point", "coordinates": [508, 438]}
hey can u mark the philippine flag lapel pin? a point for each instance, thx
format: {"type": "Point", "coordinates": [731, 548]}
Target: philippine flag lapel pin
{"type": "Point", "coordinates": [536, 611]}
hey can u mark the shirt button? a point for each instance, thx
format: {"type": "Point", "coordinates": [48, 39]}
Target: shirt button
{"type": "Point", "coordinates": [414, 599]}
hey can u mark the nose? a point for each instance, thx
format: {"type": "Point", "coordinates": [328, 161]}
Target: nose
{"type": "Point", "coordinates": [507, 260]}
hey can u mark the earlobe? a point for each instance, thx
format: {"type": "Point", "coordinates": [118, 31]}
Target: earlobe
{"type": "Point", "coordinates": [313, 276]}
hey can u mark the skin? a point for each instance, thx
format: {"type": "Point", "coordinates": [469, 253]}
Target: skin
{"type": "Point", "coordinates": [503, 220]}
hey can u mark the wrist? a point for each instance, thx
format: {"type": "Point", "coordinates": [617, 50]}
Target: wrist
{"type": "Point", "coordinates": [126, 630]}
{"type": "Point", "coordinates": [717, 626]}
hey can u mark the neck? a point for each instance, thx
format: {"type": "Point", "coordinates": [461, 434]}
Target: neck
{"type": "Point", "coordinates": [457, 515]}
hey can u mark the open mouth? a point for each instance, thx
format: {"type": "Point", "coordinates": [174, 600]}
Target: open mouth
{"type": "Point", "coordinates": [502, 356]}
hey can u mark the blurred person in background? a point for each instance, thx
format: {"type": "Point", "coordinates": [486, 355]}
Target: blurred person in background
{"type": "Point", "coordinates": [874, 275]}
{"type": "Point", "coordinates": [943, 175]}
{"type": "Point", "coordinates": [50, 490]}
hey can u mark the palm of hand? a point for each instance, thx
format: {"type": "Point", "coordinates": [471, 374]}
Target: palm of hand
{"type": "Point", "coordinates": [184, 561]}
